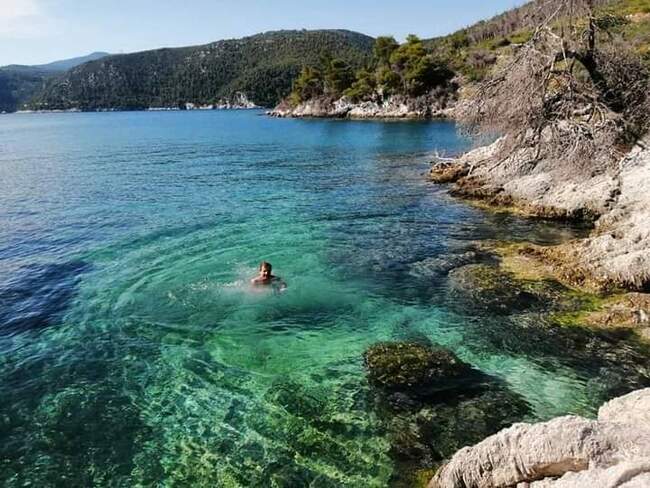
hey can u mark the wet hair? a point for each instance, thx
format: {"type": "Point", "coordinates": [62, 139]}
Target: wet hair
{"type": "Point", "coordinates": [265, 265]}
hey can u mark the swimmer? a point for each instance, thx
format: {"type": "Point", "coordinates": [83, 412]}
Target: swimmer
{"type": "Point", "coordinates": [265, 277]}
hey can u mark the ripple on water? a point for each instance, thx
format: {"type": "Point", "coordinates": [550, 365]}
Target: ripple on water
{"type": "Point", "coordinates": [144, 358]}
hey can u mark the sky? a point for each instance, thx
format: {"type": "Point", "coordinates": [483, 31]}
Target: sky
{"type": "Point", "coordinates": [40, 31]}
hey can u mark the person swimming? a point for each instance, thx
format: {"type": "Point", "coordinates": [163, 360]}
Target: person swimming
{"type": "Point", "coordinates": [266, 277]}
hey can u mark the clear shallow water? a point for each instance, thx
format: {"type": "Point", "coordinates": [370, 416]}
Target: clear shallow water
{"type": "Point", "coordinates": [132, 351]}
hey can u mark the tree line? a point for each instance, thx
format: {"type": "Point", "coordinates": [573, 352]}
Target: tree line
{"type": "Point", "coordinates": [408, 69]}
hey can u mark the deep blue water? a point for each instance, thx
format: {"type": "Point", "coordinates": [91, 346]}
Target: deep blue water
{"type": "Point", "coordinates": [132, 352]}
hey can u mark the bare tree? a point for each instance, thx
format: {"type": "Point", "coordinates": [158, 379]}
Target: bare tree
{"type": "Point", "coordinates": [562, 96]}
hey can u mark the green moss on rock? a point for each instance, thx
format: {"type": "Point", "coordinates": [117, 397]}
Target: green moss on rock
{"type": "Point", "coordinates": [403, 365]}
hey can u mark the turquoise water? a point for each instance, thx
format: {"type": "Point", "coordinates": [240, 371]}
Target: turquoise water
{"type": "Point", "coordinates": [132, 351]}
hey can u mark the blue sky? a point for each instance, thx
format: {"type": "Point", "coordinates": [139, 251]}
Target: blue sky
{"type": "Point", "coordinates": [39, 31]}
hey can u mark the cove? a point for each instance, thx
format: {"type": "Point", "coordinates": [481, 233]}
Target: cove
{"type": "Point", "coordinates": [133, 353]}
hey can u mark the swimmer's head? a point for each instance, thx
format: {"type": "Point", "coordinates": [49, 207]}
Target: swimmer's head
{"type": "Point", "coordinates": [265, 269]}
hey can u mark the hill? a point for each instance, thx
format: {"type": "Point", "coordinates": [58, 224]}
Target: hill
{"type": "Point", "coordinates": [473, 51]}
{"type": "Point", "coordinates": [425, 78]}
{"type": "Point", "coordinates": [18, 83]}
{"type": "Point", "coordinates": [262, 66]}
{"type": "Point", "coordinates": [66, 64]}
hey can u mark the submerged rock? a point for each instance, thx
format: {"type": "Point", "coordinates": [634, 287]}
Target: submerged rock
{"type": "Point", "coordinates": [441, 265]}
{"type": "Point", "coordinates": [531, 263]}
{"type": "Point", "coordinates": [627, 311]}
{"type": "Point", "coordinates": [479, 287]}
{"type": "Point", "coordinates": [414, 366]}
{"type": "Point", "coordinates": [567, 451]}
{"type": "Point", "coordinates": [432, 404]}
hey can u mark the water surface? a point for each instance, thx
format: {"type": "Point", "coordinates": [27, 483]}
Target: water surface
{"type": "Point", "coordinates": [132, 352]}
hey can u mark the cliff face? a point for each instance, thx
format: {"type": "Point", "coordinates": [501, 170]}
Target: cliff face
{"type": "Point", "coordinates": [618, 251]}
{"type": "Point", "coordinates": [567, 452]}
{"type": "Point", "coordinates": [393, 107]}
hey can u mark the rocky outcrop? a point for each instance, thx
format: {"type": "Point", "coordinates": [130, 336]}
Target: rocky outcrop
{"type": "Point", "coordinates": [392, 107]}
{"type": "Point", "coordinates": [618, 252]}
{"type": "Point", "coordinates": [616, 199]}
{"type": "Point", "coordinates": [537, 188]}
{"type": "Point", "coordinates": [237, 101]}
{"type": "Point", "coordinates": [612, 451]}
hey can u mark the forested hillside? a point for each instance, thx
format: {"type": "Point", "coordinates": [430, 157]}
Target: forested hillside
{"type": "Point", "coordinates": [19, 83]}
{"type": "Point", "coordinates": [261, 66]}
{"type": "Point", "coordinates": [438, 66]}
{"type": "Point", "coordinates": [407, 69]}
{"type": "Point", "coordinates": [473, 51]}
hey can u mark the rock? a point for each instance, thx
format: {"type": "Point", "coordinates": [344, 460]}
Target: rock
{"type": "Point", "coordinates": [431, 105]}
{"type": "Point", "coordinates": [530, 263]}
{"type": "Point", "coordinates": [414, 366]}
{"type": "Point", "coordinates": [421, 439]}
{"type": "Point", "coordinates": [480, 287]}
{"type": "Point", "coordinates": [614, 196]}
{"type": "Point", "coordinates": [629, 474]}
{"type": "Point", "coordinates": [628, 311]}
{"type": "Point", "coordinates": [504, 178]}
{"type": "Point", "coordinates": [432, 404]}
{"type": "Point", "coordinates": [441, 265]}
{"type": "Point", "coordinates": [617, 254]}
{"type": "Point", "coordinates": [566, 451]}
{"type": "Point", "coordinates": [633, 408]}
{"type": "Point", "coordinates": [444, 172]}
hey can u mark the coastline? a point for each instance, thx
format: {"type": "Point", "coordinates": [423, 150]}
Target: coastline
{"type": "Point", "coordinates": [609, 268]}
{"type": "Point", "coordinates": [125, 109]}
{"type": "Point", "coordinates": [616, 255]}
{"type": "Point", "coordinates": [426, 107]}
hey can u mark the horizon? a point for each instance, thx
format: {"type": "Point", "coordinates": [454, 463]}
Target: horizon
{"type": "Point", "coordinates": [38, 32]}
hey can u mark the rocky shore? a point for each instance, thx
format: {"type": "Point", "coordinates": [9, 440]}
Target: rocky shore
{"type": "Point", "coordinates": [616, 255]}
{"type": "Point", "coordinates": [610, 272]}
{"type": "Point", "coordinates": [393, 107]}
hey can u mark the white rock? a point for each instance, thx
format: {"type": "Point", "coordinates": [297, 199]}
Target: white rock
{"type": "Point", "coordinates": [564, 452]}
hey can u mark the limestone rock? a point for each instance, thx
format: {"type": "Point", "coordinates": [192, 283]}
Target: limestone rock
{"type": "Point", "coordinates": [392, 107]}
{"type": "Point", "coordinates": [616, 198]}
{"type": "Point", "coordinates": [564, 452]}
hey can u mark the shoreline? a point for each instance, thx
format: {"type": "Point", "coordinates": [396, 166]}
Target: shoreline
{"type": "Point", "coordinates": [395, 107]}
{"type": "Point", "coordinates": [608, 272]}
{"type": "Point", "coordinates": [614, 203]}
{"type": "Point", "coordinates": [150, 109]}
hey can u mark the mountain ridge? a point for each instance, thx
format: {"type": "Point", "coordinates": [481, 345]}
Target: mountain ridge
{"type": "Point", "coordinates": [263, 66]}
